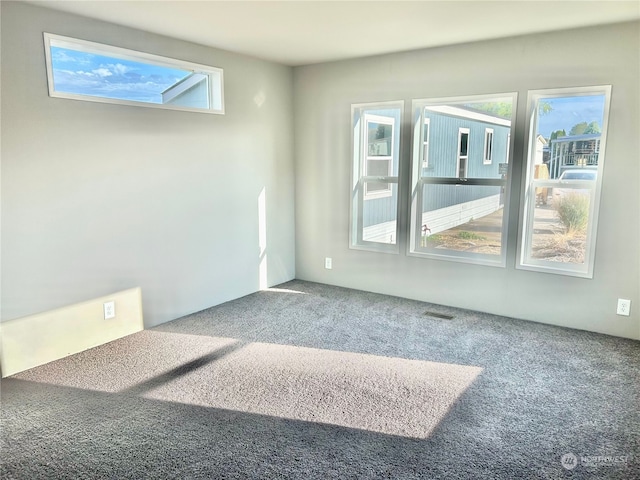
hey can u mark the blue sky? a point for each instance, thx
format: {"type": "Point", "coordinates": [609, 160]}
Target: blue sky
{"type": "Point", "coordinates": [568, 111]}
{"type": "Point", "coordinates": [98, 75]}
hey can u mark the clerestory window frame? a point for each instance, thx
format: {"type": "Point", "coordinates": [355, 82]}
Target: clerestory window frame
{"type": "Point", "coordinates": [194, 73]}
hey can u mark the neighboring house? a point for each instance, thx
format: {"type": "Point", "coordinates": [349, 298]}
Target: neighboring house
{"type": "Point", "coordinates": [541, 150]}
{"type": "Point", "coordinates": [191, 91]}
{"type": "Point", "coordinates": [460, 143]}
{"type": "Point", "coordinates": [577, 151]}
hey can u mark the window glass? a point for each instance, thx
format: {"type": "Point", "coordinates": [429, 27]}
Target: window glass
{"type": "Point", "coordinates": [379, 156]}
{"type": "Point", "coordinates": [425, 144]}
{"type": "Point", "coordinates": [463, 155]}
{"type": "Point", "coordinates": [376, 159]}
{"type": "Point", "coordinates": [458, 202]}
{"type": "Point", "coordinates": [83, 70]}
{"type": "Point", "coordinates": [567, 129]}
{"type": "Point", "coordinates": [488, 145]}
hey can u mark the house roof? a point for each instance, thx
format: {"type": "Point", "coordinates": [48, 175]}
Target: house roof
{"type": "Point", "coordinates": [573, 138]}
{"type": "Point", "coordinates": [182, 86]}
{"type": "Point", "coordinates": [469, 114]}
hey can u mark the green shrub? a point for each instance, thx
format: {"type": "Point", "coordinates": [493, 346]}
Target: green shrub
{"type": "Point", "coordinates": [469, 236]}
{"type": "Point", "coordinates": [573, 211]}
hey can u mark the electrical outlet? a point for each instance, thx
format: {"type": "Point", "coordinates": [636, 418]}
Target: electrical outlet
{"type": "Point", "coordinates": [624, 307]}
{"type": "Point", "coordinates": [109, 310]}
{"type": "Point", "coordinates": [328, 263]}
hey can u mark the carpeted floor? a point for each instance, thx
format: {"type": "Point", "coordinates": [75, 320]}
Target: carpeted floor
{"type": "Point", "coordinates": [313, 381]}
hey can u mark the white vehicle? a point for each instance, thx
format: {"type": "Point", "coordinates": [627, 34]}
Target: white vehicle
{"type": "Point", "coordinates": [574, 179]}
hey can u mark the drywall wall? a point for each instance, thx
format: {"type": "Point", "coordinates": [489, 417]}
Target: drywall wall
{"type": "Point", "coordinates": [323, 95]}
{"type": "Point", "coordinates": [42, 338]}
{"type": "Point", "coordinates": [196, 209]}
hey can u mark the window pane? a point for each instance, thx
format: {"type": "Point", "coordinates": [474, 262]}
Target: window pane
{"type": "Point", "coordinates": [379, 214]}
{"type": "Point", "coordinates": [461, 218]}
{"type": "Point", "coordinates": [458, 200]}
{"type": "Point", "coordinates": [458, 129]}
{"type": "Point", "coordinates": [464, 141]}
{"type": "Point", "coordinates": [425, 144]}
{"type": "Point", "coordinates": [488, 146]}
{"type": "Point", "coordinates": [462, 169]}
{"type": "Point", "coordinates": [559, 231]}
{"type": "Point", "coordinates": [89, 71]}
{"type": "Point", "coordinates": [564, 170]}
{"type": "Point", "coordinates": [379, 139]}
{"type": "Point", "coordinates": [101, 76]}
{"type": "Point", "coordinates": [378, 168]}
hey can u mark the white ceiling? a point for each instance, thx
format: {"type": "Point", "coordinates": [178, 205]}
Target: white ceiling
{"type": "Point", "coordinates": [305, 32]}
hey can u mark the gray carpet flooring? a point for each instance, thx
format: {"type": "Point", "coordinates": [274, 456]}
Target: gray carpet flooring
{"type": "Point", "coordinates": [313, 381]}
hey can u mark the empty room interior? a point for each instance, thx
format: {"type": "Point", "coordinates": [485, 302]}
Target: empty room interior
{"type": "Point", "coordinates": [320, 239]}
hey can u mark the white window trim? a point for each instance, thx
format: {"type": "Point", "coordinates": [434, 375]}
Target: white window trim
{"type": "Point", "coordinates": [413, 248]}
{"type": "Point", "coordinates": [488, 146]}
{"type": "Point", "coordinates": [357, 194]}
{"type": "Point", "coordinates": [461, 131]}
{"type": "Point", "coordinates": [524, 262]}
{"type": "Point", "coordinates": [215, 74]}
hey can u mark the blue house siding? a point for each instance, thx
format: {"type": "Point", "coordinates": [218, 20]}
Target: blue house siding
{"type": "Point", "coordinates": [436, 197]}
{"type": "Point", "coordinates": [473, 201]}
{"type": "Point", "coordinates": [443, 147]}
{"type": "Point", "coordinates": [380, 210]}
{"type": "Point", "coordinates": [443, 158]}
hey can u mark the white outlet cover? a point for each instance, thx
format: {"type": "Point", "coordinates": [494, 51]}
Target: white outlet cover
{"type": "Point", "coordinates": [109, 310]}
{"type": "Point", "coordinates": [328, 264]}
{"type": "Point", "coordinates": [624, 307]}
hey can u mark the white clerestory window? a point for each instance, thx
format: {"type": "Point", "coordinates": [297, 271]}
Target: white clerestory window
{"type": "Point", "coordinates": [83, 70]}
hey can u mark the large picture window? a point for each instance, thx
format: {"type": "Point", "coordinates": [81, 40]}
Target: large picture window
{"type": "Point", "coordinates": [566, 140]}
{"type": "Point", "coordinates": [458, 204]}
{"type": "Point", "coordinates": [376, 159]}
{"type": "Point", "coordinates": [82, 70]}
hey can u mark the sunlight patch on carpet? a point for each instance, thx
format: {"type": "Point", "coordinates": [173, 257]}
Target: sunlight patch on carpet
{"type": "Point", "coordinates": [394, 396]}
{"type": "Point", "coordinates": [284, 290]}
{"type": "Point", "coordinates": [387, 395]}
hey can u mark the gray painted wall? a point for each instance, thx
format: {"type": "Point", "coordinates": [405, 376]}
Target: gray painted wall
{"type": "Point", "coordinates": [97, 198]}
{"type": "Point", "coordinates": [322, 97]}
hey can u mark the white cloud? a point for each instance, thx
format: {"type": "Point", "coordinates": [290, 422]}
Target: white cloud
{"type": "Point", "coordinates": [118, 68]}
{"type": "Point", "coordinates": [102, 72]}
{"type": "Point", "coordinates": [62, 56]}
